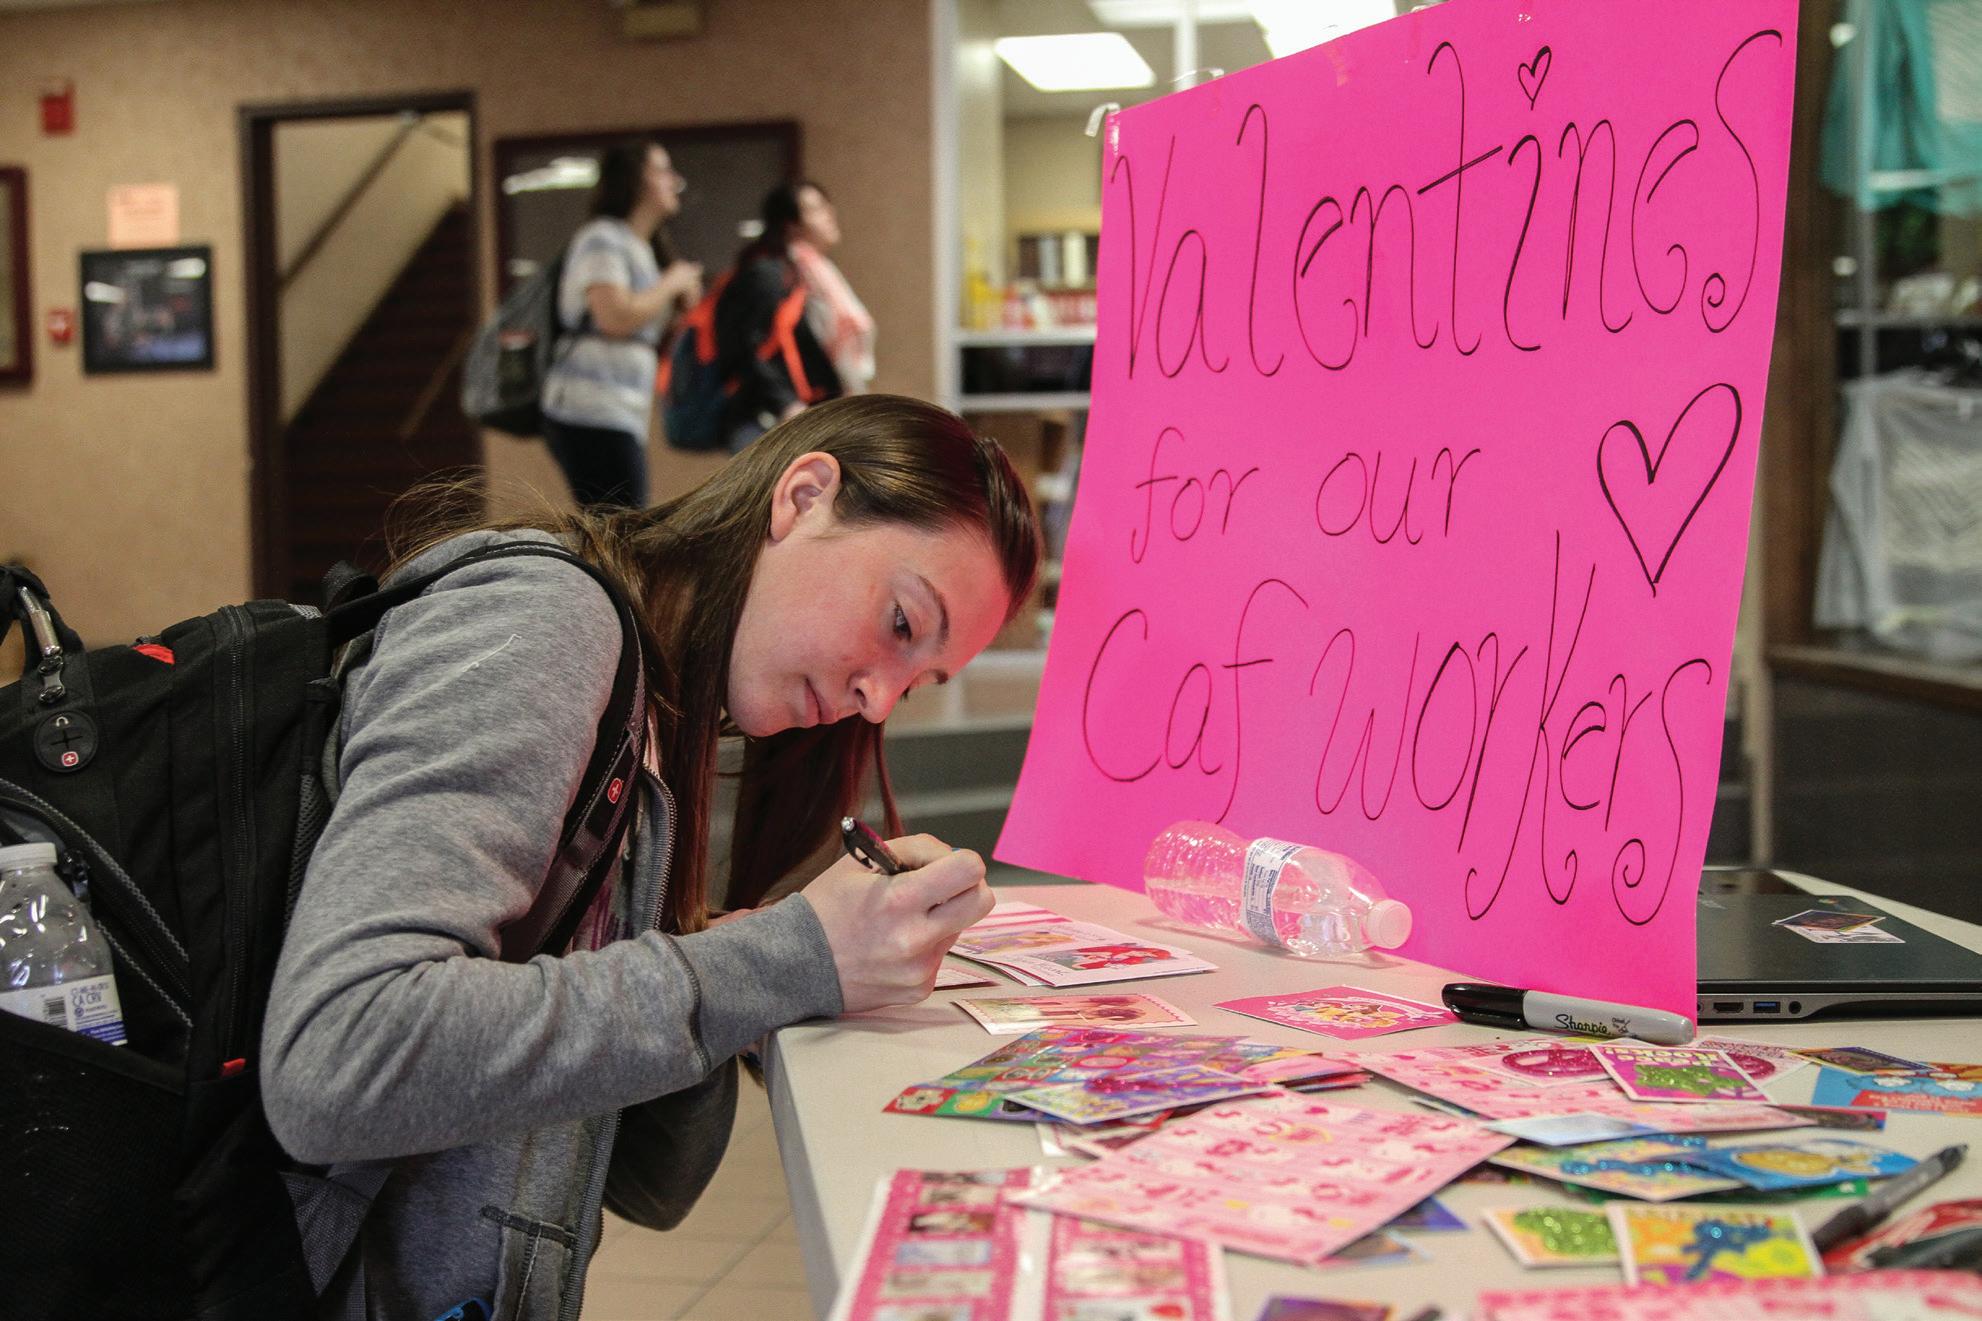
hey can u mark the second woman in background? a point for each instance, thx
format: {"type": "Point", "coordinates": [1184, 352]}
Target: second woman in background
{"type": "Point", "coordinates": [614, 302]}
{"type": "Point", "coordinates": [787, 294]}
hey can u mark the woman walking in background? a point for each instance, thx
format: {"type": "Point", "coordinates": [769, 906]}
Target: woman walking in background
{"type": "Point", "coordinates": [830, 342]}
{"type": "Point", "coordinates": [614, 302]}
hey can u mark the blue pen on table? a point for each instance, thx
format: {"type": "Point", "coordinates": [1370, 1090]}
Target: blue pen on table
{"type": "Point", "coordinates": [1508, 1006]}
{"type": "Point", "coordinates": [1855, 1220]}
{"type": "Point", "coordinates": [867, 848]}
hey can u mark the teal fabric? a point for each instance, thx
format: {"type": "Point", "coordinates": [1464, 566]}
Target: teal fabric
{"type": "Point", "coordinates": [1921, 106]}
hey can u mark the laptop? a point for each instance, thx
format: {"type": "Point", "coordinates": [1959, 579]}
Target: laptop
{"type": "Point", "coordinates": [1753, 969]}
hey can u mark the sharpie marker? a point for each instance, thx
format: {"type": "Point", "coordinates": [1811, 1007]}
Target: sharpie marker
{"type": "Point", "coordinates": [1507, 1006]}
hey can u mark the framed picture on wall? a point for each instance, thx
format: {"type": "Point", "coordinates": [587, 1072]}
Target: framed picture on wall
{"type": "Point", "coordinates": [16, 326]}
{"type": "Point", "coordinates": [148, 309]}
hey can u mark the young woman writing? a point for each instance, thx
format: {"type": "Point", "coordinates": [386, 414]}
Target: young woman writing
{"type": "Point", "coordinates": [864, 549]}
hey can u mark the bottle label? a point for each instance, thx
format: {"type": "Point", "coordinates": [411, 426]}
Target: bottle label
{"type": "Point", "coordinates": [88, 1006]}
{"type": "Point", "coordinates": [1265, 860]}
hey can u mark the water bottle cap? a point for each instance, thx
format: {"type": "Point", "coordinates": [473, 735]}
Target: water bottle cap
{"type": "Point", "coordinates": [1388, 924]}
{"type": "Point", "coordinates": [27, 855]}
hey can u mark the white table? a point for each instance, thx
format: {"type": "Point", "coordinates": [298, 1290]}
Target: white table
{"type": "Point", "coordinates": [829, 1080]}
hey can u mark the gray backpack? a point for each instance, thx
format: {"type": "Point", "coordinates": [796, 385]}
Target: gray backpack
{"type": "Point", "coordinates": [502, 380]}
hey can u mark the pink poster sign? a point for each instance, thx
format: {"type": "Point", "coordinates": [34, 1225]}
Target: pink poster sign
{"type": "Point", "coordinates": [1414, 504]}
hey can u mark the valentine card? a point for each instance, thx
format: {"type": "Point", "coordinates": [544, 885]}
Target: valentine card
{"type": "Point", "coordinates": [1856, 936]}
{"type": "Point", "coordinates": [938, 1244]}
{"type": "Point", "coordinates": [1676, 1073]}
{"type": "Point", "coordinates": [1007, 1015]}
{"type": "Point", "coordinates": [1281, 1307]}
{"type": "Point", "coordinates": [1543, 1062]}
{"type": "Point", "coordinates": [1878, 1296]}
{"type": "Point", "coordinates": [950, 976]}
{"type": "Point", "coordinates": [1345, 1012]}
{"type": "Point", "coordinates": [1568, 1130]}
{"type": "Point", "coordinates": [1635, 1167]}
{"type": "Point", "coordinates": [1826, 919]}
{"type": "Point", "coordinates": [1863, 1059]}
{"type": "Point", "coordinates": [1672, 1245]}
{"type": "Point", "coordinates": [1809, 1163]}
{"type": "Point", "coordinates": [1554, 1235]}
{"type": "Point", "coordinates": [1099, 1273]}
{"type": "Point", "coordinates": [1428, 1217]}
{"type": "Point", "coordinates": [1943, 1091]}
{"type": "Point", "coordinates": [1761, 1061]}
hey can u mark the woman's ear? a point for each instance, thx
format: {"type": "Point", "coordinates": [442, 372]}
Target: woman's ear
{"type": "Point", "coordinates": [804, 492]}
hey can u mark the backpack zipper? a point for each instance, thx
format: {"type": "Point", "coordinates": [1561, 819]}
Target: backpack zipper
{"type": "Point", "coordinates": [237, 823]}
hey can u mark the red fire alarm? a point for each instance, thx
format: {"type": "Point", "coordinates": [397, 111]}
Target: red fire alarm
{"type": "Point", "coordinates": [61, 325]}
{"type": "Point", "coordinates": [58, 107]}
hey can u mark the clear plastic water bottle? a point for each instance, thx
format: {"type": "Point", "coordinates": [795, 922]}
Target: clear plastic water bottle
{"type": "Point", "coordinates": [1308, 900]}
{"type": "Point", "coordinates": [54, 963]}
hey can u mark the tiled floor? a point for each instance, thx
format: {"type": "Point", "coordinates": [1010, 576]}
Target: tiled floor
{"type": "Point", "coordinates": [735, 1258]}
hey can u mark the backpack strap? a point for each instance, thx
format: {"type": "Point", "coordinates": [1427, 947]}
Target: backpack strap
{"type": "Point", "coordinates": [594, 828]}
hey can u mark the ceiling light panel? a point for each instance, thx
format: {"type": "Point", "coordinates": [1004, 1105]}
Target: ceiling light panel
{"type": "Point", "coordinates": [1076, 62]}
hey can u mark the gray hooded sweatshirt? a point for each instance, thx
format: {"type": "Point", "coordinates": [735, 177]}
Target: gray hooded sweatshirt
{"type": "Point", "coordinates": [500, 1103]}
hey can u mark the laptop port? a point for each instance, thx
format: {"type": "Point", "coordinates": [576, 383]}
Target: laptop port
{"type": "Point", "coordinates": [1727, 1006]}
{"type": "Point", "coordinates": [1767, 1006]}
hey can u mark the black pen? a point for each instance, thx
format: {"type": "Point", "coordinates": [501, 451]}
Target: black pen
{"type": "Point", "coordinates": [867, 848]}
{"type": "Point", "coordinates": [1855, 1220]}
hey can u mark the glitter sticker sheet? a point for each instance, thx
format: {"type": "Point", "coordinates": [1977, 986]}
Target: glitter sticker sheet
{"type": "Point", "coordinates": [1554, 1235]}
{"type": "Point", "coordinates": [1344, 1012]}
{"type": "Point", "coordinates": [1676, 1073]}
{"type": "Point", "coordinates": [1876, 1296]}
{"type": "Point", "coordinates": [1450, 1073]}
{"type": "Point", "coordinates": [1675, 1245]}
{"type": "Point", "coordinates": [1809, 1163]}
{"type": "Point", "coordinates": [1543, 1062]}
{"type": "Point", "coordinates": [1647, 1169]}
{"type": "Point", "coordinates": [1283, 1176]}
{"type": "Point", "coordinates": [1100, 1100]}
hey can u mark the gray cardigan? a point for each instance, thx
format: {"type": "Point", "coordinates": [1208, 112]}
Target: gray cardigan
{"type": "Point", "coordinates": [488, 1094]}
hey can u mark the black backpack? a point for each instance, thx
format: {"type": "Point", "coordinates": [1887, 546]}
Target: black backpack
{"type": "Point", "coordinates": [181, 780]}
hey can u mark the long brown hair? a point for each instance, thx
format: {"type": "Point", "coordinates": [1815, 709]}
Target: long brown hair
{"type": "Point", "coordinates": [687, 564]}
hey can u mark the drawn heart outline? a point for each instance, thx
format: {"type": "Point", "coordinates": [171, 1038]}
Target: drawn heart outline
{"type": "Point", "coordinates": [1652, 466]}
{"type": "Point", "coordinates": [1533, 74]}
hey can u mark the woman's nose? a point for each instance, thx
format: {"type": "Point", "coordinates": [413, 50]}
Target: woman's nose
{"type": "Point", "coordinates": [877, 694]}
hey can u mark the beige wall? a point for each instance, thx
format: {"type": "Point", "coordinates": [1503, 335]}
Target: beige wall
{"type": "Point", "coordinates": [131, 492]}
{"type": "Point", "coordinates": [1052, 179]}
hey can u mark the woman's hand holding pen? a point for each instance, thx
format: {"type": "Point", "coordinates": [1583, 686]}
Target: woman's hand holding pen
{"type": "Point", "coordinates": [889, 933]}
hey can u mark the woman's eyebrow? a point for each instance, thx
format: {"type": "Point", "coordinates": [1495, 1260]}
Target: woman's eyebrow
{"type": "Point", "coordinates": [942, 611]}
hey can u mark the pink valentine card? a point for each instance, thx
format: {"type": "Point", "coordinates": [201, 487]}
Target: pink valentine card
{"type": "Point", "coordinates": [1676, 1073]}
{"type": "Point", "coordinates": [1282, 1176]}
{"type": "Point", "coordinates": [1345, 1012]}
{"type": "Point", "coordinates": [1414, 502]}
{"type": "Point", "coordinates": [947, 1243]}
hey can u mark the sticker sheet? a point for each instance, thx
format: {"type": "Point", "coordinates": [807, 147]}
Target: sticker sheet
{"type": "Point", "coordinates": [1116, 1097]}
{"type": "Point", "coordinates": [1676, 1073]}
{"type": "Point", "coordinates": [1647, 1169]}
{"type": "Point", "coordinates": [1008, 1015]}
{"type": "Point", "coordinates": [1290, 1177]}
{"type": "Point", "coordinates": [1543, 1062]}
{"type": "Point", "coordinates": [1809, 1163]}
{"type": "Point", "coordinates": [938, 1244]}
{"type": "Point", "coordinates": [1761, 1061]}
{"type": "Point", "coordinates": [1450, 1074]}
{"type": "Point", "coordinates": [1099, 1273]}
{"type": "Point", "coordinates": [1826, 919]}
{"type": "Point", "coordinates": [1950, 1089]}
{"type": "Point", "coordinates": [1554, 1235]}
{"type": "Point", "coordinates": [1675, 1245]}
{"type": "Point", "coordinates": [1879, 1296]}
{"type": "Point", "coordinates": [1344, 1012]}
